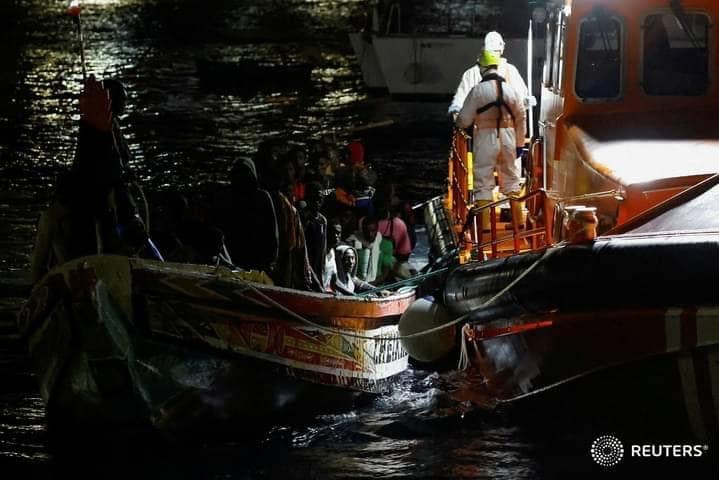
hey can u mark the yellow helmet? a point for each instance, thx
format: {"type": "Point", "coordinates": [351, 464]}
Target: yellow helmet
{"type": "Point", "coordinates": [488, 58]}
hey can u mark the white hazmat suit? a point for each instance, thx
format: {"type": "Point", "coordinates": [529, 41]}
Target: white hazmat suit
{"type": "Point", "coordinates": [472, 77]}
{"type": "Point", "coordinates": [494, 145]}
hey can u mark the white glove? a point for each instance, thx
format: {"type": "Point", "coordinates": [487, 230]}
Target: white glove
{"type": "Point", "coordinates": [530, 101]}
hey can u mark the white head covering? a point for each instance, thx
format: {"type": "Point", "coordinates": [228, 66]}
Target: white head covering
{"type": "Point", "coordinates": [345, 278]}
{"type": "Point", "coordinates": [493, 41]}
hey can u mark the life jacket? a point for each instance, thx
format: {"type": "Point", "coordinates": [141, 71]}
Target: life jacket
{"type": "Point", "coordinates": [499, 103]}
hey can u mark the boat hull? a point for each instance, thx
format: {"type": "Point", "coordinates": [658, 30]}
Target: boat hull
{"type": "Point", "coordinates": [133, 342]}
{"type": "Point", "coordinates": [605, 377]}
{"type": "Point", "coordinates": [425, 64]}
{"type": "Point", "coordinates": [371, 71]}
{"type": "Point", "coordinates": [619, 304]}
{"type": "Point", "coordinates": [630, 303]}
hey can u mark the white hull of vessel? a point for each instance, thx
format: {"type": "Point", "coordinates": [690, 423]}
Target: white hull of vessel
{"type": "Point", "coordinates": [424, 65]}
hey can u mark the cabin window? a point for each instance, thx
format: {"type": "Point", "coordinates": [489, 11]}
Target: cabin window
{"type": "Point", "coordinates": [599, 58]}
{"type": "Point", "coordinates": [675, 54]}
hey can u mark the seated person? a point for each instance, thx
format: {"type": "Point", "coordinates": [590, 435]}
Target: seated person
{"type": "Point", "coordinates": [395, 236]}
{"type": "Point", "coordinates": [367, 242]}
{"type": "Point", "coordinates": [345, 280]}
{"type": "Point", "coordinates": [401, 208]}
{"type": "Point", "coordinates": [329, 270]}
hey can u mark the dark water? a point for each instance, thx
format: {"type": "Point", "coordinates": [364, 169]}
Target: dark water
{"type": "Point", "coordinates": [184, 132]}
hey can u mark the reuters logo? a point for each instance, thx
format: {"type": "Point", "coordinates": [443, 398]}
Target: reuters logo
{"type": "Point", "coordinates": [607, 451]}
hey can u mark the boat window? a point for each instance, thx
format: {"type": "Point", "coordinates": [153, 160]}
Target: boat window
{"type": "Point", "coordinates": [676, 60]}
{"type": "Point", "coordinates": [599, 58]}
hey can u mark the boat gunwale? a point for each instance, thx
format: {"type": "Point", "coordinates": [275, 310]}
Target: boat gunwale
{"type": "Point", "coordinates": [228, 275]}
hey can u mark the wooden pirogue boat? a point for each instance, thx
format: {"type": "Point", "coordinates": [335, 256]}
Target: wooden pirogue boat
{"type": "Point", "coordinates": [627, 127]}
{"type": "Point", "coordinates": [127, 341]}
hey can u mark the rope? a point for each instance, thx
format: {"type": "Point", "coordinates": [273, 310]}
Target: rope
{"type": "Point", "coordinates": [463, 362]}
{"type": "Point", "coordinates": [586, 196]}
{"type": "Point", "coordinates": [403, 282]}
{"type": "Point", "coordinates": [146, 206]}
{"type": "Point", "coordinates": [437, 197]}
{"type": "Point", "coordinates": [398, 337]}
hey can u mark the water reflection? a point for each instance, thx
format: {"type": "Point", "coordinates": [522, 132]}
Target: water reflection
{"type": "Point", "coordinates": [151, 47]}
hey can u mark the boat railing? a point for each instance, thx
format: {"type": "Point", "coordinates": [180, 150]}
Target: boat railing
{"type": "Point", "coordinates": [523, 235]}
{"type": "Point", "coordinates": [460, 178]}
{"type": "Point", "coordinates": [534, 232]}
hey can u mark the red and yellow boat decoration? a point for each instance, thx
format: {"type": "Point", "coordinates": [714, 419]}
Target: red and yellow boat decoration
{"type": "Point", "coordinates": [129, 341]}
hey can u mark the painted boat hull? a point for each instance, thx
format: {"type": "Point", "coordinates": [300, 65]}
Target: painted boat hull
{"type": "Point", "coordinates": [133, 342]}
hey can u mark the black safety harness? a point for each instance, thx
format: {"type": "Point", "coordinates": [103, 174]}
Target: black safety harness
{"type": "Point", "coordinates": [499, 102]}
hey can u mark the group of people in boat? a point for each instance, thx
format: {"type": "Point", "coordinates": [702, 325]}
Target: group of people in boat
{"type": "Point", "coordinates": [312, 217]}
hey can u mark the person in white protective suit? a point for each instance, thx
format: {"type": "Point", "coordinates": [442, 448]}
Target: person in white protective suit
{"type": "Point", "coordinates": [496, 109]}
{"type": "Point", "coordinates": [493, 42]}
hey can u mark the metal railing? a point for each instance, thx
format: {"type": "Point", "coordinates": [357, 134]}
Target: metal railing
{"type": "Point", "coordinates": [460, 178]}
{"type": "Point", "coordinates": [534, 231]}
{"type": "Point", "coordinates": [525, 235]}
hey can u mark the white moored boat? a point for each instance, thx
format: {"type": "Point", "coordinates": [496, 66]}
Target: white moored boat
{"type": "Point", "coordinates": [426, 59]}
